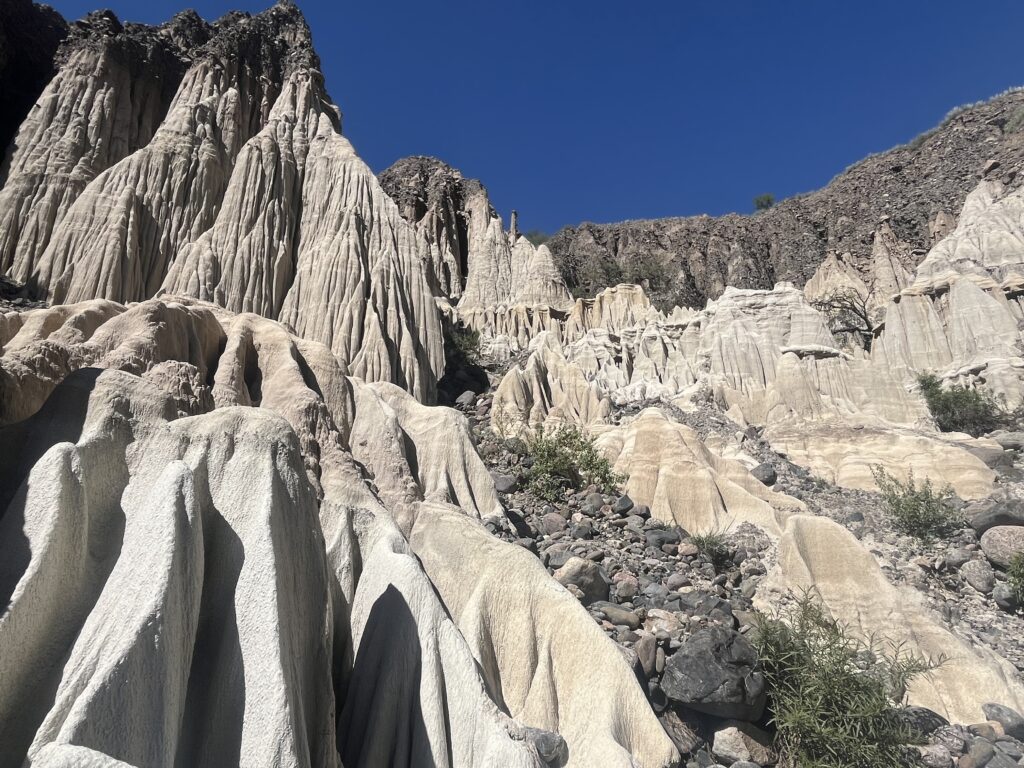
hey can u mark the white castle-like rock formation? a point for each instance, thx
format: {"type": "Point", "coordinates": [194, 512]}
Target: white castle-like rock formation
{"type": "Point", "coordinates": [234, 529]}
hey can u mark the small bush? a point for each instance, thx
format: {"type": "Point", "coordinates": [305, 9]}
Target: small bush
{"type": "Point", "coordinates": [917, 510]}
{"type": "Point", "coordinates": [1015, 576]}
{"type": "Point", "coordinates": [959, 409]}
{"type": "Point", "coordinates": [1016, 121]}
{"type": "Point", "coordinates": [834, 700]}
{"type": "Point", "coordinates": [537, 237]}
{"type": "Point", "coordinates": [848, 317]}
{"type": "Point", "coordinates": [463, 343]}
{"type": "Point", "coordinates": [566, 457]}
{"type": "Point", "coordinates": [764, 202]}
{"type": "Point", "coordinates": [713, 545]}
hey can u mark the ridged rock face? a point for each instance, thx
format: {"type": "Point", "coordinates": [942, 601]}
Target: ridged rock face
{"type": "Point", "coordinates": [768, 359]}
{"type": "Point", "coordinates": [820, 555]}
{"type": "Point", "coordinates": [206, 159]}
{"type": "Point", "coordinates": [432, 195]}
{"type": "Point", "coordinates": [476, 263]}
{"type": "Point", "coordinates": [685, 482]}
{"type": "Point", "coordinates": [111, 91]}
{"type": "Point", "coordinates": [121, 235]}
{"type": "Point", "coordinates": [215, 544]}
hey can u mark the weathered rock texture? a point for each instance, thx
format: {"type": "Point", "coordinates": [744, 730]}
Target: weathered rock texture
{"type": "Point", "coordinates": [819, 555]}
{"type": "Point", "coordinates": [914, 190]}
{"type": "Point", "coordinates": [215, 544]}
{"type": "Point", "coordinates": [207, 160]}
{"type": "Point", "coordinates": [474, 260]}
{"type": "Point", "coordinates": [29, 36]}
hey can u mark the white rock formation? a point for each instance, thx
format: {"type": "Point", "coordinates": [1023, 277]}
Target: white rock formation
{"type": "Point", "coordinates": [819, 555]}
{"type": "Point", "coordinates": [672, 471]}
{"type": "Point", "coordinates": [215, 544]}
{"type": "Point", "coordinates": [105, 101]}
{"type": "Point", "coordinates": [245, 194]}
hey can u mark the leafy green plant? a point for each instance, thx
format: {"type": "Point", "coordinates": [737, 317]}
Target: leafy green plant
{"type": "Point", "coordinates": [960, 409]}
{"type": "Point", "coordinates": [834, 700]}
{"type": "Point", "coordinates": [1015, 576]}
{"type": "Point", "coordinates": [764, 202]}
{"type": "Point", "coordinates": [566, 457]}
{"type": "Point", "coordinates": [712, 544]}
{"type": "Point", "coordinates": [917, 510]}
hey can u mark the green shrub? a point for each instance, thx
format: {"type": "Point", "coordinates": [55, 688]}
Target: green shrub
{"type": "Point", "coordinates": [834, 700]}
{"type": "Point", "coordinates": [1015, 576]}
{"type": "Point", "coordinates": [764, 202]}
{"type": "Point", "coordinates": [462, 344]}
{"type": "Point", "coordinates": [712, 544]}
{"type": "Point", "coordinates": [960, 409]}
{"type": "Point", "coordinates": [566, 457]}
{"type": "Point", "coordinates": [537, 237]}
{"type": "Point", "coordinates": [918, 510]}
{"type": "Point", "coordinates": [1016, 121]}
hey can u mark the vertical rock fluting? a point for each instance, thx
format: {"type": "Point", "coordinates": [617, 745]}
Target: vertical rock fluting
{"type": "Point", "coordinates": [110, 93]}
{"type": "Point", "coordinates": [207, 160]}
{"type": "Point", "coordinates": [122, 233]}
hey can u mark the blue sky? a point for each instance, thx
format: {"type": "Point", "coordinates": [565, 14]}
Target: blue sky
{"type": "Point", "coordinates": [591, 110]}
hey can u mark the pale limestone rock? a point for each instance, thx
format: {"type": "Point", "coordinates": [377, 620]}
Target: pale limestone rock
{"type": "Point", "coordinates": [244, 193]}
{"type": "Point", "coordinates": [536, 279]}
{"type": "Point", "coordinates": [547, 389]}
{"type": "Point", "coordinates": [986, 247]}
{"type": "Point", "coordinates": [98, 109]}
{"type": "Point", "coordinates": [819, 555]}
{"type": "Point", "coordinates": [542, 656]}
{"type": "Point", "coordinates": [489, 271]}
{"type": "Point", "coordinates": [121, 234]}
{"type": "Point", "coordinates": [327, 579]}
{"type": "Point", "coordinates": [684, 483]}
{"type": "Point", "coordinates": [834, 275]}
{"type": "Point", "coordinates": [614, 308]}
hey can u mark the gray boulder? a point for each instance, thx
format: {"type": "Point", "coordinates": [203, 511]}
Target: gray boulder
{"type": "Point", "coordinates": [587, 576]}
{"type": "Point", "coordinates": [1011, 720]}
{"type": "Point", "coordinates": [766, 473]}
{"type": "Point", "coordinates": [1001, 543]}
{"type": "Point", "coordinates": [715, 672]}
{"type": "Point", "coordinates": [504, 483]}
{"type": "Point", "coordinates": [983, 515]}
{"type": "Point", "coordinates": [979, 575]}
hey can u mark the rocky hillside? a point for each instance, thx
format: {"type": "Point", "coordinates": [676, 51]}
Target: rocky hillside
{"type": "Point", "coordinates": [917, 188]}
{"type": "Point", "coordinates": [236, 529]}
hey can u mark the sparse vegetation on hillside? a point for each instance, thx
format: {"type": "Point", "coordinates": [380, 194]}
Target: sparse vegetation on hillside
{"type": "Point", "coordinates": [834, 700]}
{"type": "Point", "coordinates": [537, 237]}
{"type": "Point", "coordinates": [649, 270]}
{"type": "Point", "coordinates": [1015, 576]}
{"type": "Point", "coordinates": [566, 457]}
{"type": "Point", "coordinates": [713, 545]}
{"type": "Point", "coordinates": [919, 510]}
{"type": "Point", "coordinates": [764, 202]}
{"type": "Point", "coordinates": [847, 314]}
{"type": "Point", "coordinates": [462, 344]}
{"type": "Point", "coordinates": [961, 409]}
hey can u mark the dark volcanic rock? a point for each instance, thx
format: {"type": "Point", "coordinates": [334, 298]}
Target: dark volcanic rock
{"type": "Point", "coordinates": [29, 36]}
{"type": "Point", "coordinates": [688, 260]}
{"type": "Point", "coordinates": [715, 672]}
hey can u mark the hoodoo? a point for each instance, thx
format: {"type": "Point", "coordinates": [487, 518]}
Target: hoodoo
{"type": "Point", "coordinates": [236, 528]}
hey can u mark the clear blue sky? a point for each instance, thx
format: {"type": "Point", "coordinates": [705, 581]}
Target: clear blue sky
{"type": "Point", "coordinates": [592, 110]}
